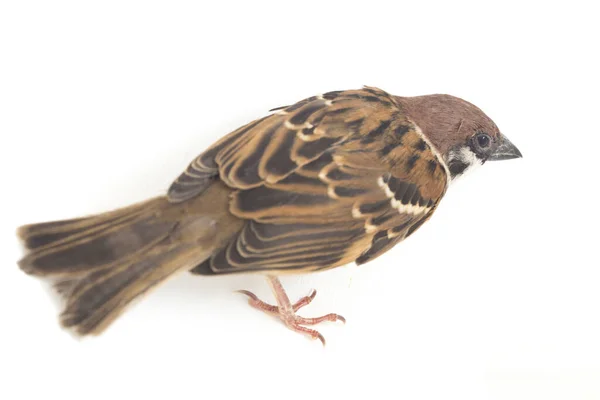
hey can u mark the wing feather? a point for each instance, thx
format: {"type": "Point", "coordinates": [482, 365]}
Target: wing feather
{"type": "Point", "coordinates": [333, 179]}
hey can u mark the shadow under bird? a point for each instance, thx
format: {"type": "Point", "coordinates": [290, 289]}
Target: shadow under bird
{"type": "Point", "coordinates": [333, 179]}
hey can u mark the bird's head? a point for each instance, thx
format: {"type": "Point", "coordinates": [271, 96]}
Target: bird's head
{"type": "Point", "coordinates": [460, 131]}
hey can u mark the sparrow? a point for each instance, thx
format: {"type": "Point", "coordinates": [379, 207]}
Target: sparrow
{"type": "Point", "coordinates": [333, 179]}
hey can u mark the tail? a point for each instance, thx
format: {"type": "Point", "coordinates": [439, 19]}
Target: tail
{"type": "Point", "coordinates": [100, 264]}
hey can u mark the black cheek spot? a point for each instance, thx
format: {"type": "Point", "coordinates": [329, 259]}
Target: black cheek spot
{"type": "Point", "coordinates": [457, 168]}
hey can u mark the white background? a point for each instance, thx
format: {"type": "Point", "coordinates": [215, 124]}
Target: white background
{"type": "Point", "coordinates": [497, 297]}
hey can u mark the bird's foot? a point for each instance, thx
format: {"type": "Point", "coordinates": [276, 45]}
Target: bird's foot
{"type": "Point", "coordinates": [287, 311]}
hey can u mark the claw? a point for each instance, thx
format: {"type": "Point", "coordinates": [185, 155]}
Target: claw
{"type": "Point", "coordinates": [321, 338]}
{"type": "Point", "coordinates": [247, 293]}
{"type": "Point", "coordinates": [255, 302]}
{"type": "Point", "coordinates": [286, 311]}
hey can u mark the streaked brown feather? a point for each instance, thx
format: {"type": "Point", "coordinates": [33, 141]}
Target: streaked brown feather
{"type": "Point", "coordinates": [307, 171]}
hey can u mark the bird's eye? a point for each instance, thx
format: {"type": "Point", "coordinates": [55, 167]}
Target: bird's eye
{"type": "Point", "coordinates": [483, 140]}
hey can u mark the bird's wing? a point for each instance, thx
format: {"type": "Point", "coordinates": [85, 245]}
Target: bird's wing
{"type": "Point", "coordinates": [333, 179]}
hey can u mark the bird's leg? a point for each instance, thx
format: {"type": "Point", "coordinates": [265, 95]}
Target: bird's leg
{"type": "Point", "coordinates": [286, 311]}
{"type": "Point", "coordinates": [255, 302]}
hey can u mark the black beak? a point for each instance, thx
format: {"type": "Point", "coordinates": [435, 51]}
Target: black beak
{"type": "Point", "coordinates": [504, 150]}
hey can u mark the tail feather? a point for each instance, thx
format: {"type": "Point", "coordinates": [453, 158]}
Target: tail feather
{"type": "Point", "coordinates": [83, 244]}
{"type": "Point", "coordinates": [100, 264]}
{"type": "Point", "coordinates": [94, 300]}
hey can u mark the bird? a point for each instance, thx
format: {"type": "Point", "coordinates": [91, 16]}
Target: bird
{"type": "Point", "coordinates": [333, 179]}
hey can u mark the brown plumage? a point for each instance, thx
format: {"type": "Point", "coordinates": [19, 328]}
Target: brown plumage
{"type": "Point", "coordinates": [330, 180]}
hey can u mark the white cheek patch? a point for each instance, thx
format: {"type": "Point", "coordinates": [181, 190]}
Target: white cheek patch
{"type": "Point", "coordinates": [465, 158]}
